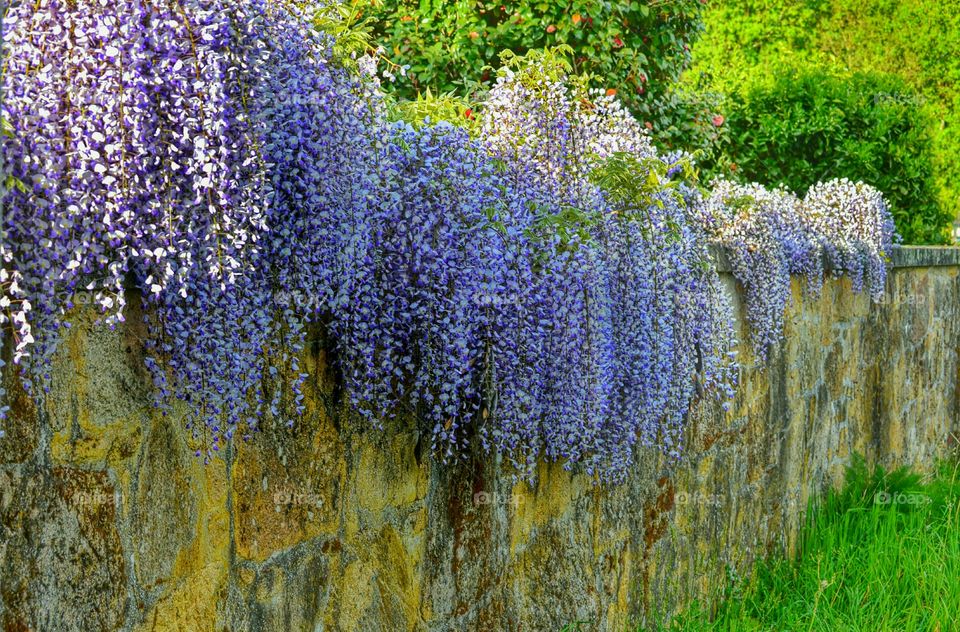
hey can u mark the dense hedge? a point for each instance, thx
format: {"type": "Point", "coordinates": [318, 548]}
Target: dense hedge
{"type": "Point", "coordinates": [915, 40]}
{"type": "Point", "coordinates": [804, 125]}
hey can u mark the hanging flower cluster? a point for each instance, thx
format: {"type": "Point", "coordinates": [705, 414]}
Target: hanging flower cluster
{"type": "Point", "coordinates": [128, 139]}
{"type": "Point", "coordinates": [205, 149]}
{"type": "Point", "coordinates": [856, 230]}
{"type": "Point", "coordinates": [411, 335]}
{"type": "Point", "coordinates": [771, 234]}
{"type": "Point", "coordinates": [545, 290]}
{"type": "Point", "coordinates": [558, 328]}
{"type": "Point", "coordinates": [620, 315]}
{"type": "Point", "coordinates": [316, 127]}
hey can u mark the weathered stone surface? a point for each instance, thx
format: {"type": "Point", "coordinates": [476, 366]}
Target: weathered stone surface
{"type": "Point", "coordinates": [62, 555]}
{"type": "Point", "coordinates": [107, 521]}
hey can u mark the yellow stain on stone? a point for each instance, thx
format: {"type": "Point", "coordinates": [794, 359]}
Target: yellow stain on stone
{"type": "Point", "coordinates": [287, 484]}
{"type": "Point", "coordinates": [552, 496]}
{"type": "Point", "coordinates": [191, 604]}
{"type": "Point", "coordinates": [280, 516]}
{"type": "Point", "coordinates": [619, 610]}
{"type": "Point", "coordinates": [388, 475]}
{"type": "Point", "coordinates": [705, 466]}
{"type": "Point", "coordinates": [97, 445]}
{"type": "Point", "coordinates": [199, 573]}
{"type": "Point", "coordinates": [597, 527]}
{"type": "Point", "coordinates": [397, 574]}
{"type": "Point", "coordinates": [356, 594]}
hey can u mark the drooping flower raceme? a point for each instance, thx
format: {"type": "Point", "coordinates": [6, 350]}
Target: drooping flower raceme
{"type": "Point", "coordinates": [317, 133]}
{"type": "Point", "coordinates": [625, 310]}
{"type": "Point", "coordinates": [14, 313]}
{"type": "Point", "coordinates": [771, 234]}
{"type": "Point", "coordinates": [134, 152]}
{"type": "Point", "coordinates": [159, 141]}
{"type": "Point", "coordinates": [766, 243]}
{"type": "Point", "coordinates": [856, 228]}
{"type": "Point", "coordinates": [411, 335]}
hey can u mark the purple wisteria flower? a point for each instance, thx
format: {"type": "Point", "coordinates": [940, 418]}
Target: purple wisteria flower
{"type": "Point", "coordinates": [772, 234]}
{"type": "Point", "coordinates": [542, 291]}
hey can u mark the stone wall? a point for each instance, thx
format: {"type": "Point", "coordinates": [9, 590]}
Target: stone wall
{"type": "Point", "coordinates": [108, 522]}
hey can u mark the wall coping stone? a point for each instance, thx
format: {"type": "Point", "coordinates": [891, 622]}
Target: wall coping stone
{"type": "Point", "coordinates": [901, 257]}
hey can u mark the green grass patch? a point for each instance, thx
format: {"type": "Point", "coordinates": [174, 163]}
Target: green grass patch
{"type": "Point", "coordinates": [883, 553]}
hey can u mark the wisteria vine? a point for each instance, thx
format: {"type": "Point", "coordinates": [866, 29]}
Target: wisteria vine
{"type": "Point", "coordinates": [770, 235]}
{"type": "Point", "coordinates": [545, 289]}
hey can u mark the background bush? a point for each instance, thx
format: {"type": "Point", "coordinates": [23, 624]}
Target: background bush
{"type": "Point", "coordinates": [802, 124]}
{"type": "Point", "coordinates": [915, 40]}
{"type": "Point", "coordinates": [638, 48]}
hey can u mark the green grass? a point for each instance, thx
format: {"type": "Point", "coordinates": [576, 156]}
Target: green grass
{"type": "Point", "coordinates": [883, 553]}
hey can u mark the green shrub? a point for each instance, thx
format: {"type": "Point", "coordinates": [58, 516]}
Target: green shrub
{"type": "Point", "coordinates": [916, 40]}
{"type": "Point", "coordinates": [685, 117]}
{"type": "Point", "coordinates": [638, 47]}
{"type": "Point", "coordinates": [804, 124]}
